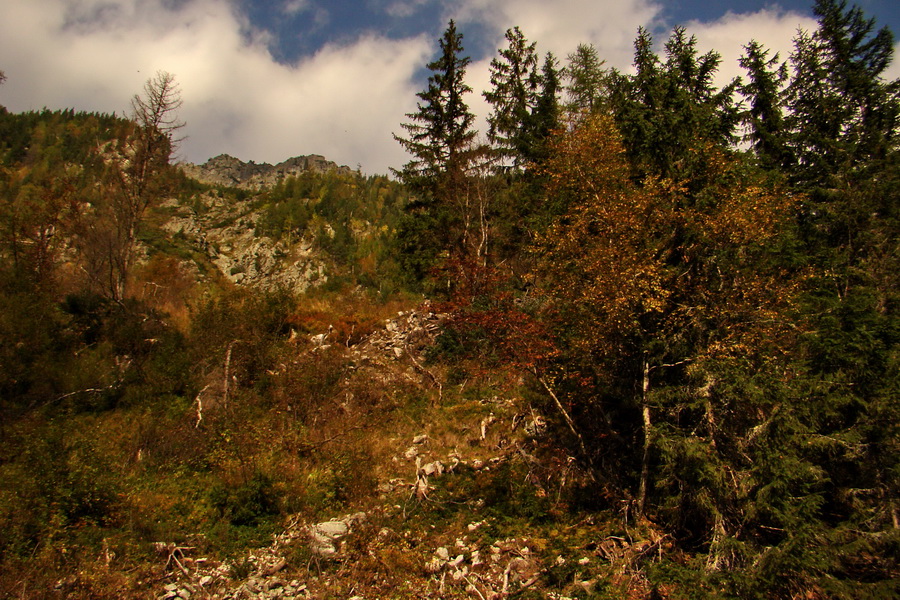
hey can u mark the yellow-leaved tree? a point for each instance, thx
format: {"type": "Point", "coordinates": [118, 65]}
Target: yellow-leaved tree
{"type": "Point", "coordinates": [658, 287]}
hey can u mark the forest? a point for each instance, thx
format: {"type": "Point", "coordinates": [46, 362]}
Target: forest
{"type": "Point", "coordinates": [669, 315]}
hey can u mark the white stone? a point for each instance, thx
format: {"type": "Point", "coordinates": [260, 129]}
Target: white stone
{"type": "Point", "coordinates": [333, 529]}
{"type": "Point", "coordinates": [433, 468]}
{"type": "Point", "coordinates": [476, 558]}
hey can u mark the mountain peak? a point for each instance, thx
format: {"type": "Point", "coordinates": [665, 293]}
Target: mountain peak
{"type": "Point", "coordinates": [225, 169]}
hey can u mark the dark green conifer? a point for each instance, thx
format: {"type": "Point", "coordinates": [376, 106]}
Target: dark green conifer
{"type": "Point", "coordinates": [765, 117]}
{"type": "Point", "coordinates": [544, 118]}
{"type": "Point", "coordinates": [513, 96]}
{"type": "Point", "coordinates": [441, 141]}
{"type": "Point", "coordinates": [440, 131]}
{"type": "Point", "coordinates": [843, 114]}
{"type": "Point", "coordinates": [669, 107]}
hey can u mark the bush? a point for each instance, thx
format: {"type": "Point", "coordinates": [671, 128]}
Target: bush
{"type": "Point", "coordinates": [246, 504]}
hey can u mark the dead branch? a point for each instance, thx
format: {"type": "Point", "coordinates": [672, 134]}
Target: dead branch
{"type": "Point", "coordinates": [227, 368]}
{"type": "Point", "coordinates": [307, 447]}
{"type": "Point", "coordinates": [426, 372]}
{"type": "Point", "coordinates": [199, 402]}
{"type": "Point", "coordinates": [173, 550]}
{"type": "Point", "coordinates": [473, 586]}
{"type": "Point", "coordinates": [565, 414]}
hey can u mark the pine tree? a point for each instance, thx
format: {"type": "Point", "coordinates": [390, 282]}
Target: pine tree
{"type": "Point", "coordinates": [441, 140]}
{"type": "Point", "coordinates": [440, 132]}
{"type": "Point", "coordinates": [765, 118]}
{"type": "Point", "coordinates": [544, 118]}
{"type": "Point", "coordinates": [669, 108]}
{"type": "Point", "coordinates": [842, 113]}
{"type": "Point", "coordinates": [513, 97]}
{"type": "Point", "coordinates": [837, 434]}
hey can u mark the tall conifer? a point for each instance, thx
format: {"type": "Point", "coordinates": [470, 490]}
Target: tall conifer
{"type": "Point", "coordinates": [765, 117]}
{"type": "Point", "coordinates": [441, 140]}
{"type": "Point", "coordinates": [513, 96]}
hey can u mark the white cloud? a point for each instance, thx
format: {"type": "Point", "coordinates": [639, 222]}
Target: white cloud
{"type": "Point", "coordinates": [292, 7]}
{"type": "Point", "coordinates": [773, 29]}
{"type": "Point", "coordinates": [343, 102]}
{"type": "Point", "coordinates": [319, 16]}
{"type": "Point", "coordinates": [404, 8]}
{"type": "Point", "coordinates": [559, 26]}
{"type": "Point", "coordinates": [893, 71]}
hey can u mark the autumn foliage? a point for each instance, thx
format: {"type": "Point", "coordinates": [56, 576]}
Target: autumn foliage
{"type": "Point", "coordinates": [679, 263]}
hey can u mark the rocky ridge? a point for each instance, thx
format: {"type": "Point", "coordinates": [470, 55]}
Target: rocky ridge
{"type": "Point", "coordinates": [230, 171]}
{"type": "Point", "coordinates": [224, 228]}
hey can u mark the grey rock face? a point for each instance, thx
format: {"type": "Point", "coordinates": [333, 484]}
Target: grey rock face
{"type": "Point", "coordinates": [225, 233]}
{"type": "Point", "coordinates": [228, 170]}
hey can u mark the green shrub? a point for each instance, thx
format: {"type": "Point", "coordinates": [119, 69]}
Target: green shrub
{"type": "Point", "coordinates": [247, 504]}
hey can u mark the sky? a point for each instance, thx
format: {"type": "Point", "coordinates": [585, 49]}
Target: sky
{"type": "Point", "coordinates": [265, 80]}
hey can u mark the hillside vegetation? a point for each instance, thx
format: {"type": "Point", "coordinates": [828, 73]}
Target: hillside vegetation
{"type": "Point", "coordinates": [641, 342]}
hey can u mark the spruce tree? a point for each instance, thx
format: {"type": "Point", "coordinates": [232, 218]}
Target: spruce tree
{"type": "Point", "coordinates": [843, 114]}
{"type": "Point", "coordinates": [842, 423]}
{"type": "Point", "coordinates": [667, 108]}
{"type": "Point", "coordinates": [440, 132]}
{"type": "Point", "coordinates": [441, 140]}
{"type": "Point", "coordinates": [544, 118]}
{"type": "Point", "coordinates": [513, 97]}
{"type": "Point", "coordinates": [765, 118]}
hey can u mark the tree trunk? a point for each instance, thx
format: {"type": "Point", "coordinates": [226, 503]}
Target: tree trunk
{"type": "Point", "coordinates": [645, 459]}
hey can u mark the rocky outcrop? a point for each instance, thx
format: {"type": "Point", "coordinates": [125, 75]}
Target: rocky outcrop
{"type": "Point", "coordinates": [226, 233]}
{"type": "Point", "coordinates": [230, 171]}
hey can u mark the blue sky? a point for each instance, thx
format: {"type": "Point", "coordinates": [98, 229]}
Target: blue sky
{"type": "Point", "coordinates": [265, 80]}
{"type": "Point", "coordinates": [308, 25]}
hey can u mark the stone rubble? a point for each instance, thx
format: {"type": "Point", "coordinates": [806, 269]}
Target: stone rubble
{"type": "Point", "coordinates": [468, 564]}
{"type": "Point", "coordinates": [411, 330]}
{"type": "Point", "coordinates": [199, 578]}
